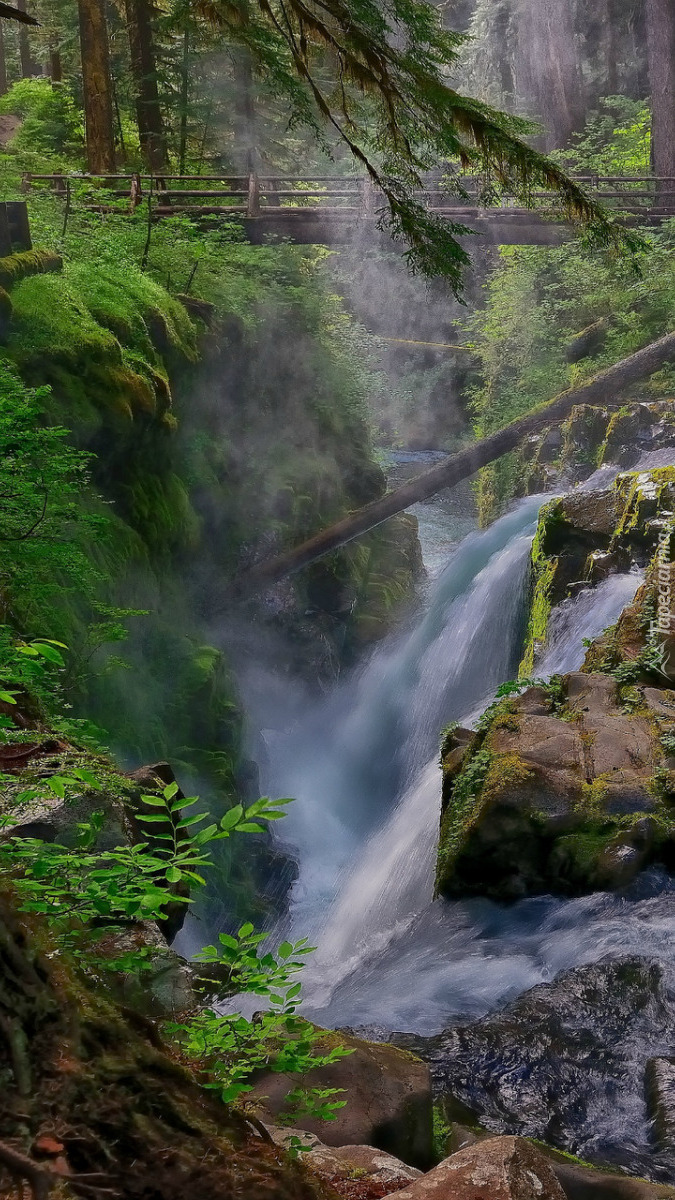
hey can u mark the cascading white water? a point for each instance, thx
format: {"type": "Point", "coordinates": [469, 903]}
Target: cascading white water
{"type": "Point", "coordinates": [364, 771]}
{"type": "Point", "coordinates": [350, 760]}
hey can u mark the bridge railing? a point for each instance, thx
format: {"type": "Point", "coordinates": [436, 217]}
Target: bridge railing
{"type": "Point", "coordinates": [257, 195]}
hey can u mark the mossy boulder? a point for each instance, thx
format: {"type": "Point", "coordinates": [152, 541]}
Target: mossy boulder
{"type": "Point", "coordinates": [565, 790]}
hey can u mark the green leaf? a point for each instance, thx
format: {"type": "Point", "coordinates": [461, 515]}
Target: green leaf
{"type": "Point", "coordinates": [173, 875]}
{"type": "Point", "coordinates": [87, 777]}
{"type": "Point", "coordinates": [186, 802]}
{"type": "Point", "coordinates": [185, 822]}
{"type": "Point", "coordinates": [248, 827]}
{"type": "Point", "coordinates": [232, 817]}
{"type": "Point", "coordinates": [49, 652]}
{"type": "Point", "coordinates": [285, 950]}
{"type": "Point", "coordinates": [170, 791]}
{"type": "Point", "coordinates": [205, 835]}
{"type": "Point", "coordinates": [154, 801]}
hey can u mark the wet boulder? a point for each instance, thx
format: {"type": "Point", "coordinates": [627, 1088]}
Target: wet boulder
{"type": "Point", "coordinates": [580, 1182]}
{"type": "Point", "coordinates": [586, 536]}
{"type": "Point", "coordinates": [389, 1099]}
{"type": "Point", "coordinates": [501, 1168]}
{"type": "Point", "coordinates": [558, 793]}
{"type": "Point", "coordinates": [567, 1063]}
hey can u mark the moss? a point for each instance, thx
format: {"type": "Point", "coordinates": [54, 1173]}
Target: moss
{"type": "Point", "coordinates": [483, 778]}
{"type": "Point", "coordinates": [593, 795]}
{"type": "Point", "coordinates": [644, 494]}
{"type": "Point", "coordinates": [135, 308]}
{"type": "Point", "coordinates": [505, 771]}
{"type": "Point", "coordinates": [6, 307]}
{"type": "Point", "coordinates": [615, 433]}
{"type": "Point", "coordinates": [582, 849]}
{"type": "Point", "coordinates": [442, 1133]}
{"type": "Point", "coordinates": [564, 1157]}
{"type": "Point", "coordinates": [15, 267]}
{"type": "Point", "coordinates": [543, 577]}
{"type": "Point", "coordinates": [460, 814]}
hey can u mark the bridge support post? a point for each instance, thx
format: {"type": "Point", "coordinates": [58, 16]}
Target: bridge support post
{"type": "Point", "coordinates": [253, 204]}
{"type": "Point", "coordinates": [368, 197]}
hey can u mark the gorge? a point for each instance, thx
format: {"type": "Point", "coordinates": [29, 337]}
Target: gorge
{"type": "Point", "coordinates": [337, 696]}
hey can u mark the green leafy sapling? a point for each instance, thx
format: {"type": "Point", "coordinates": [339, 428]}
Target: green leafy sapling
{"type": "Point", "coordinates": [231, 1047]}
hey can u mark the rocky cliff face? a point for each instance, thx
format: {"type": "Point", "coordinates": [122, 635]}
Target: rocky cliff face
{"type": "Point", "coordinates": [593, 437]}
{"type": "Point", "coordinates": [216, 439]}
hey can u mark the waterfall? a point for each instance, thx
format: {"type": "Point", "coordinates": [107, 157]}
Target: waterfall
{"type": "Point", "coordinates": [363, 767]}
{"type": "Point", "coordinates": [348, 763]}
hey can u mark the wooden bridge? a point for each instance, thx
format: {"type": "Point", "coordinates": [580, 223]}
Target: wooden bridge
{"type": "Point", "coordinates": [335, 209]}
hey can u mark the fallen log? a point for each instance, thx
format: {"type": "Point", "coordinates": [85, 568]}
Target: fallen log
{"type": "Point", "coordinates": [15, 267]}
{"type": "Point", "coordinates": [601, 387]}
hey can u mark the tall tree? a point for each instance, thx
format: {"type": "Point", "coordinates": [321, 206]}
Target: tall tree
{"type": "Point", "coordinates": [28, 67]}
{"type": "Point", "coordinates": [548, 75]}
{"type": "Point", "coordinates": [55, 64]}
{"type": "Point", "coordinates": [151, 131]}
{"type": "Point", "coordinates": [4, 83]}
{"type": "Point", "coordinates": [96, 86]}
{"type": "Point", "coordinates": [660, 20]}
{"type": "Point", "coordinates": [247, 158]}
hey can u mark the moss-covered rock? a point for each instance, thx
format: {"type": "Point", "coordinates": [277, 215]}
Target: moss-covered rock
{"type": "Point", "coordinates": [209, 447]}
{"type": "Point", "coordinates": [586, 536]}
{"type": "Point", "coordinates": [563, 791]}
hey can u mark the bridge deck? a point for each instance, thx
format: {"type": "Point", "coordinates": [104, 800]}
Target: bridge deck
{"type": "Point", "coordinates": [336, 210]}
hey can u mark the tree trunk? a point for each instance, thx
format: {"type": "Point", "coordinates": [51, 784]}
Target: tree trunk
{"type": "Point", "coordinates": [548, 71]}
{"type": "Point", "coordinates": [144, 69]}
{"type": "Point", "coordinates": [246, 153]}
{"type": "Point", "coordinates": [28, 67]}
{"type": "Point", "coordinates": [460, 466]}
{"type": "Point", "coordinates": [96, 83]}
{"type": "Point", "coordinates": [4, 82]}
{"type": "Point", "coordinates": [55, 64]}
{"type": "Point", "coordinates": [660, 15]}
{"type": "Point", "coordinates": [611, 48]}
{"type": "Point", "coordinates": [600, 30]}
{"type": "Point", "coordinates": [184, 101]}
